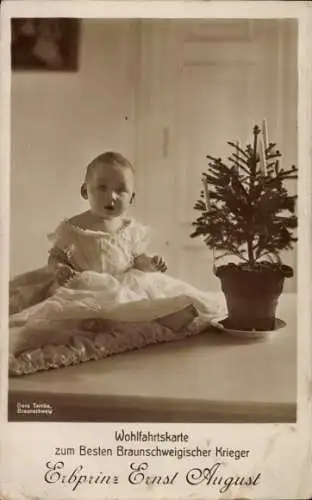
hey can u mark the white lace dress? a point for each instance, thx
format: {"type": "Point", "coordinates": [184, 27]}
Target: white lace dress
{"type": "Point", "coordinates": [53, 334]}
{"type": "Point", "coordinates": [108, 286]}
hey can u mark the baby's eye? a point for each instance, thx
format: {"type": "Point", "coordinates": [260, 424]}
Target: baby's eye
{"type": "Point", "coordinates": [102, 187]}
{"type": "Point", "coordinates": [121, 190]}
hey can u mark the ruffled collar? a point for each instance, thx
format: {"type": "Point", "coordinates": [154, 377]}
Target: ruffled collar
{"type": "Point", "coordinates": [92, 232]}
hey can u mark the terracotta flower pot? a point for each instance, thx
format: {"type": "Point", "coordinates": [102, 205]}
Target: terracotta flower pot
{"type": "Point", "coordinates": [252, 294]}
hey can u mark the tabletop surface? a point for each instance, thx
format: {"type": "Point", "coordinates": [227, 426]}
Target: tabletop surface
{"type": "Point", "coordinates": [208, 367]}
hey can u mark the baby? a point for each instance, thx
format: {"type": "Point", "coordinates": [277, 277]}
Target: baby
{"type": "Point", "coordinates": [101, 264]}
{"type": "Point", "coordinates": [109, 189]}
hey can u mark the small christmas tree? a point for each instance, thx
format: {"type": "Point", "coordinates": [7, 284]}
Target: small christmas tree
{"type": "Point", "coordinates": [246, 210]}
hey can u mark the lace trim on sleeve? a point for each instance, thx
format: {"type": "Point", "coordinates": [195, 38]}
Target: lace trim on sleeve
{"type": "Point", "coordinates": [59, 234]}
{"type": "Point", "coordinates": [63, 247]}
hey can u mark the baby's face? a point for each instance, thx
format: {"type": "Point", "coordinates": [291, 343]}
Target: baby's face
{"type": "Point", "coordinates": [109, 189]}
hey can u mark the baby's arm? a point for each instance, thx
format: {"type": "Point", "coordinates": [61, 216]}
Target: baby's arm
{"type": "Point", "coordinates": [148, 264]}
{"type": "Point", "coordinates": [60, 265]}
{"type": "Point", "coordinates": [143, 261]}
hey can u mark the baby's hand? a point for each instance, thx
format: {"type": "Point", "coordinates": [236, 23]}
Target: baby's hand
{"type": "Point", "coordinates": [63, 274]}
{"type": "Point", "coordinates": [149, 264]}
{"type": "Point", "coordinates": [159, 263]}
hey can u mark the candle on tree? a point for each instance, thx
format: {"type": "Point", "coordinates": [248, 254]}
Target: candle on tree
{"type": "Point", "coordinates": [265, 134]}
{"type": "Point", "coordinates": [263, 162]}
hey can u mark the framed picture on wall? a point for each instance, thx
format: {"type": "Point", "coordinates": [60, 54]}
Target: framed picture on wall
{"type": "Point", "coordinates": [50, 44]}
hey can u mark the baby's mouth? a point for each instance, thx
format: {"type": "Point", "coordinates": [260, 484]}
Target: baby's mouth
{"type": "Point", "coordinates": [110, 208]}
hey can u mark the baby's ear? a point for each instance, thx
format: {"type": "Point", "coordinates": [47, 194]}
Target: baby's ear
{"type": "Point", "coordinates": [83, 191]}
{"type": "Point", "coordinates": [132, 198]}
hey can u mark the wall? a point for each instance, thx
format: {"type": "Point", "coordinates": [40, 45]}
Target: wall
{"type": "Point", "coordinates": [125, 96]}
{"type": "Point", "coordinates": [60, 122]}
{"type": "Point", "coordinates": [203, 84]}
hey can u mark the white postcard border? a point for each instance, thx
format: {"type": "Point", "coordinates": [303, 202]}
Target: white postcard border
{"type": "Point", "coordinates": [273, 441]}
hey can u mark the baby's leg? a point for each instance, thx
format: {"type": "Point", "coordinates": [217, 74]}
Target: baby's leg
{"type": "Point", "coordinates": [180, 319]}
{"type": "Point", "coordinates": [175, 321]}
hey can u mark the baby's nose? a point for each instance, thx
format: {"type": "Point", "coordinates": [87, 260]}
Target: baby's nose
{"type": "Point", "coordinates": [111, 197]}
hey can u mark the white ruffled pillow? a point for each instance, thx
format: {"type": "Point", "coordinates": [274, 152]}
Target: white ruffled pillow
{"type": "Point", "coordinates": [87, 346]}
